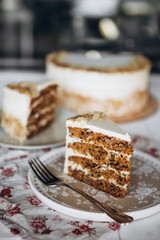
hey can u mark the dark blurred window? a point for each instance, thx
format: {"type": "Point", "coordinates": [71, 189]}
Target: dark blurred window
{"type": "Point", "coordinates": [52, 25]}
{"type": "Point", "coordinates": [32, 28]}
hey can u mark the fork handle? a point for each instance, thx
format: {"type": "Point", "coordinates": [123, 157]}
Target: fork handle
{"type": "Point", "coordinates": [113, 213]}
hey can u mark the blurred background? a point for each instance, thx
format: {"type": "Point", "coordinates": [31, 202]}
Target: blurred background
{"type": "Point", "coordinates": [29, 29]}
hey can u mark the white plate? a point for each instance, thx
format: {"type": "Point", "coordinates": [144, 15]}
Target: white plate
{"type": "Point", "coordinates": [142, 199]}
{"type": "Point", "coordinates": [53, 136]}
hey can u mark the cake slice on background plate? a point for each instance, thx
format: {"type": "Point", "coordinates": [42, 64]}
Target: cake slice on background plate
{"type": "Point", "coordinates": [28, 108]}
{"type": "Point", "coordinates": [98, 153]}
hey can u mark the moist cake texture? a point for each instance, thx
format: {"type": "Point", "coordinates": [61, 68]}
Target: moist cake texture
{"type": "Point", "coordinates": [116, 83]}
{"type": "Point", "coordinates": [98, 153]}
{"type": "Point", "coordinates": [28, 108]}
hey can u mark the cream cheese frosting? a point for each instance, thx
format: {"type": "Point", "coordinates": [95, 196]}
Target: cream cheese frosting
{"type": "Point", "coordinates": [104, 61]}
{"type": "Point", "coordinates": [112, 76]}
{"type": "Point", "coordinates": [100, 81]}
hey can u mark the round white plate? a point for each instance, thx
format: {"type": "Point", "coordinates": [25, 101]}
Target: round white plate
{"type": "Point", "coordinates": [142, 199]}
{"type": "Point", "coordinates": [53, 136]}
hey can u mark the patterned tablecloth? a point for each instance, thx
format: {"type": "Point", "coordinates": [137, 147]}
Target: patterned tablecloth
{"type": "Point", "coordinates": [24, 216]}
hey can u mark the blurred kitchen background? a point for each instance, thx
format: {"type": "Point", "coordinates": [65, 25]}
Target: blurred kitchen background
{"type": "Point", "coordinates": [29, 29]}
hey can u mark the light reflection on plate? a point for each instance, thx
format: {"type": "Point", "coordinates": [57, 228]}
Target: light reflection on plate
{"type": "Point", "coordinates": [142, 199]}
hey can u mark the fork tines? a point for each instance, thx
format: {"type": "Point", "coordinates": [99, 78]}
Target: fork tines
{"type": "Point", "coordinates": [41, 171]}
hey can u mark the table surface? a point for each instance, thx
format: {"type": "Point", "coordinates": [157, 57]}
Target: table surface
{"type": "Point", "coordinates": [146, 132]}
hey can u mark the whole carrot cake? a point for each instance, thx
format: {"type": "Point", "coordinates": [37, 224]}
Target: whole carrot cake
{"type": "Point", "coordinates": [100, 81]}
{"type": "Point", "coordinates": [28, 108]}
{"type": "Point", "coordinates": [98, 153]}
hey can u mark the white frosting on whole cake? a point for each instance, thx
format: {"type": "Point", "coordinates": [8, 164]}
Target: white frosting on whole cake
{"type": "Point", "coordinates": [105, 61]}
{"type": "Point", "coordinates": [117, 85]}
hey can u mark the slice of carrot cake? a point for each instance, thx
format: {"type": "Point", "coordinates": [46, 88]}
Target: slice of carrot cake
{"type": "Point", "coordinates": [98, 153]}
{"type": "Point", "coordinates": [28, 108]}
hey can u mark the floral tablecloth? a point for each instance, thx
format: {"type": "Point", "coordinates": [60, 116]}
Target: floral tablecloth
{"type": "Point", "coordinates": [24, 216]}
